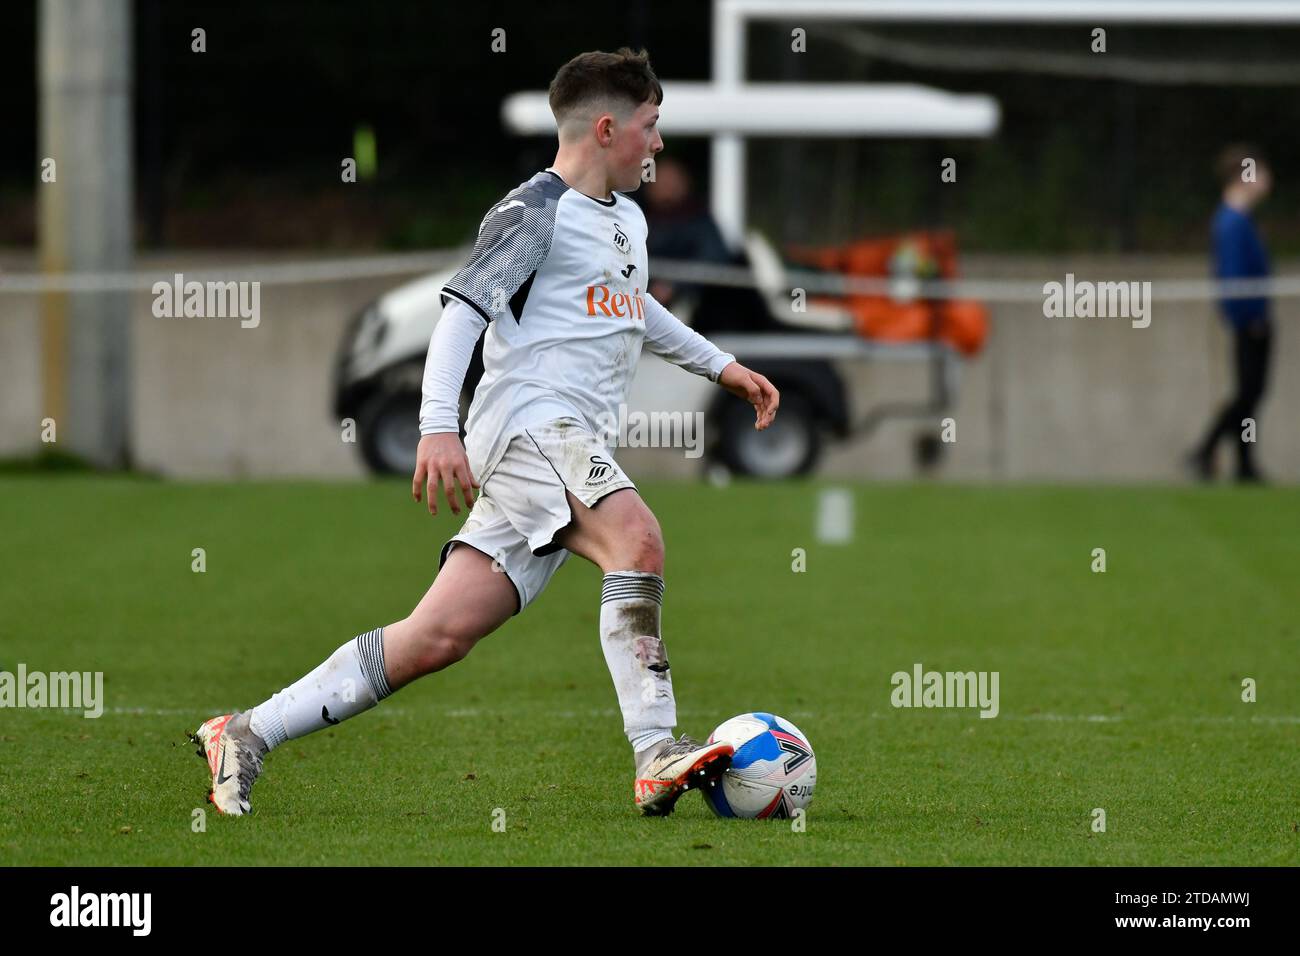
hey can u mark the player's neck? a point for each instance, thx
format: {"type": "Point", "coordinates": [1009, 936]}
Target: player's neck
{"type": "Point", "coordinates": [585, 177]}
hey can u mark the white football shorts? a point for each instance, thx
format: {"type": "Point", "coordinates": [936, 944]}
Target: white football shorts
{"type": "Point", "coordinates": [521, 504]}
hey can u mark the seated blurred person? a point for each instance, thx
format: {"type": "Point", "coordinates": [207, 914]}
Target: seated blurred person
{"type": "Point", "coordinates": [681, 227]}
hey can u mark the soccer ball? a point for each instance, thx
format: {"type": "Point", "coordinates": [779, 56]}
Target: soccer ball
{"type": "Point", "coordinates": [772, 774]}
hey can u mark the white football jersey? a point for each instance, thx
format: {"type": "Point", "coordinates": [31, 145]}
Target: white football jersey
{"type": "Point", "coordinates": [561, 277]}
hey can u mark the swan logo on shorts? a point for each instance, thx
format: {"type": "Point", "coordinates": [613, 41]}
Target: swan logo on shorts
{"type": "Point", "coordinates": [600, 471]}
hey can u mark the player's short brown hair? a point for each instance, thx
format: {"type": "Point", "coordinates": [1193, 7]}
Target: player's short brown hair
{"type": "Point", "coordinates": [1228, 166]}
{"type": "Point", "coordinates": [596, 78]}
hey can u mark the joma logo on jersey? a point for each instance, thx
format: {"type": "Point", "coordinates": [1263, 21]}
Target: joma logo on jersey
{"type": "Point", "coordinates": [600, 301]}
{"type": "Point", "coordinates": [621, 241]}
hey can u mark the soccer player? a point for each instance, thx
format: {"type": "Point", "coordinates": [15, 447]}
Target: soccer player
{"type": "Point", "coordinates": [557, 279]}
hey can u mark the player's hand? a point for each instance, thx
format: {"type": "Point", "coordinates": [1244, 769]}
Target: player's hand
{"type": "Point", "coordinates": [753, 388]}
{"type": "Point", "coordinates": [441, 459]}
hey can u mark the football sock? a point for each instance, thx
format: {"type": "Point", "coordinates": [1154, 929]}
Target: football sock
{"type": "Point", "coordinates": [351, 680]}
{"type": "Point", "coordinates": [630, 606]}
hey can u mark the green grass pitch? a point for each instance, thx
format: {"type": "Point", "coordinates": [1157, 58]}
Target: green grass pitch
{"type": "Point", "coordinates": [1120, 691]}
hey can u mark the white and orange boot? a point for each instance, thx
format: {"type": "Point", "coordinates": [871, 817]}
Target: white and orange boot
{"type": "Point", "coordinates": [665, 772]}
{"type": "Point", "coordinates": [234, 755]}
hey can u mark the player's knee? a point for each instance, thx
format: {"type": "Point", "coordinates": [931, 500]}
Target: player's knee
{"type": "Point", "coordinates": [443, 644]}
{"type": "Point", "coordinates": [645, 544]}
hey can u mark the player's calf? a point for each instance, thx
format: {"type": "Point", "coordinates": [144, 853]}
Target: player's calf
{"type": "Point", "coordinates": [350, 681]}
{"type": "Point", "coordinates": [453, 615]}
{"type": "Point", "coordinates": [467, 601]}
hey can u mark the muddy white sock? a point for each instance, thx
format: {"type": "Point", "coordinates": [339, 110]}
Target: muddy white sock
{"type": "Point", "coordinates": [630, 606]}
{"type": "Point", "coordinates": [350, 681]}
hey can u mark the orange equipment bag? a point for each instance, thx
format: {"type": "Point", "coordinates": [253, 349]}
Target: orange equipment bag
{"type": "Point", "coordinates": [921, 255]}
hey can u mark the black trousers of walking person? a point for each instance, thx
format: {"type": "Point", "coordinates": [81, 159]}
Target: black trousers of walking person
{"type": "Point", "coordinates": [1253, 343]}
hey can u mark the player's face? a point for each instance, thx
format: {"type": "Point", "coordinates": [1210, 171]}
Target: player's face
{"type": "Point", "coordinates": [635, 140]}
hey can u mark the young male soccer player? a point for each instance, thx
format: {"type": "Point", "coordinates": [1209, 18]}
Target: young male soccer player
{"type": "Point", "coordinates": [557, 279]}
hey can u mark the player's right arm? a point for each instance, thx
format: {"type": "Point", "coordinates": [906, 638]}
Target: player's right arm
{"type": "Point", "coordinates": [514, 239]}
{"type": "Point", "coordinates": [440, 458]}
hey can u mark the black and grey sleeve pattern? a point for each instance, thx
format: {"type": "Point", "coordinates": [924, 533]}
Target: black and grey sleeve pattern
{"type": "Point", "coordinates": [513, 241]}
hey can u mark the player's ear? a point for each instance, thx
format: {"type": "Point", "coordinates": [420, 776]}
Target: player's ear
{"type": "Point", "coordinates": [605, 129]}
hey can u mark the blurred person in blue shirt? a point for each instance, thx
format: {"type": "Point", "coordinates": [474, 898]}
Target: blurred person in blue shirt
{"type": "Point", "coordinates": [1239, 253]}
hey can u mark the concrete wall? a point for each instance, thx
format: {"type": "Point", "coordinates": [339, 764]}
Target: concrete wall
{"type": "Point", "coordinates": [1048, 399]}
{"type": "Point", "coordinates": [1093, 399]}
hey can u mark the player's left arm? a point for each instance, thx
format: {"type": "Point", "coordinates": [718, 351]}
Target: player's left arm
{"type": "Point", "coordinates": [672, 339]}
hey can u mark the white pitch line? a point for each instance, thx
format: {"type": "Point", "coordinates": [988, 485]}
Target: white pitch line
{"type": "Point", "coordinates": [1088, 718]}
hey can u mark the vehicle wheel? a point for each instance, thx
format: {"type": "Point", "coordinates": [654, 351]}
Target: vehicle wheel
{"type": "Point", "coordinates": [789, 446]}
{"type": "Point", "coordinates": [388, 428]}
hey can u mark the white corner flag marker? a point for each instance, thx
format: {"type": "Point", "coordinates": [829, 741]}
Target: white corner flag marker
{"type": "Point", "coordinates": [835, 516]}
